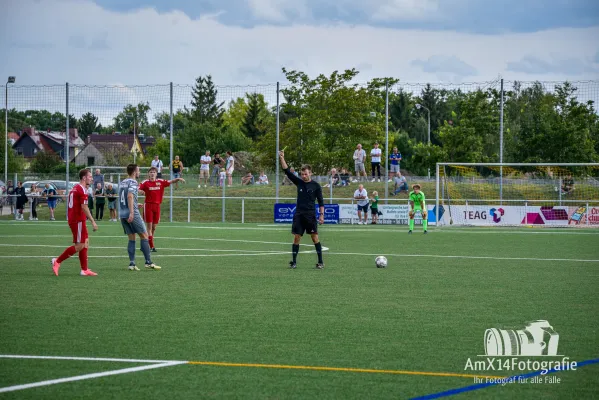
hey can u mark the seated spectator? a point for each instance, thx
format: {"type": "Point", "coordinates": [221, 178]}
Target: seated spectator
{"type": "Point", "coordinates": [248, 179]}
{"type": "Point", "coordinates": [333, 179]}
{"type": "Point", "coordinates": [344, 177]}
{"type": "Point", "coordinates": [262, 179]}
{"type": "Point", "coordinates": [568, 185]}
{"type": "Point", "coordinates": [400, 184]}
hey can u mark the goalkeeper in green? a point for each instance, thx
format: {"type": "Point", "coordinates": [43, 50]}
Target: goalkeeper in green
{"type": "Point", "coordinates": [417, 203]}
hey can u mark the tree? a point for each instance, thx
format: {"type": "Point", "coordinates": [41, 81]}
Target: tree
{"type": "Point", "coordinates": [203, 102]}
{"type": "Point", "coordinates": [15, 163]}
{"type": "Point", "coordinates": [45, 162]}
{"type": "Point", "coordinates": [131, 115]}
{"type": "Point", "coordinates": [253, 125]}
{"type": "Point", "coordinates": [235, 114]}
{"type": "Point", "coordinates": [87, 124]}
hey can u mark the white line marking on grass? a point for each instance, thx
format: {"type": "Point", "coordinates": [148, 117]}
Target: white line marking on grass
{"type": "Point", "coordinates": [92, 247]}
{"type": "Point", "coordinates": [465, 257]}
{"type": "Point", "coordinates": [89, 376]}
{"type": "Point", "coordinates": [124, 360]}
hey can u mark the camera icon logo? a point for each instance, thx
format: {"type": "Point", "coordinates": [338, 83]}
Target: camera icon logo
{"type": "Point", "coordinates": [537, 338]}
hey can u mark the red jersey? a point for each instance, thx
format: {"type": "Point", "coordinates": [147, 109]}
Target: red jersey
{"type": "Point", "coordinates": [154, 190]}
{"type": "Point", "coordinates": [77, 198]}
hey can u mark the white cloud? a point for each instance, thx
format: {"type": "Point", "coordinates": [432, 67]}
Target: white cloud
{"type": "Point", "coordinates": [402, 10]}
{"type": "Point", "coordinates": [277, 10]}
{"type": "Point", "coordinates": [146, 47]}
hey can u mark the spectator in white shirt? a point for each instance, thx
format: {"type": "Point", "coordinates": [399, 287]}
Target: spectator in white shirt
{"type": "Point", "coordinates": [156, 163]}
{"type": "Point", "coordinates": [205, 168]}
{"type": "Point", "coordinates": [359, 160]}
{"type": "Point", "coordinates": [375, 160]}
{"type": "Point", "coordinates": [361, 195]}
{"type": "Point", "coordinates": [262, 179]}
{"type": "Point", "coordinates": [230, 167]}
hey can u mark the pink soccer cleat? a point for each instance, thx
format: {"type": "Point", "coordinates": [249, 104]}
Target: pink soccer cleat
{"type": "Point", "coordinates": [55, 266]}
{"type": "Point", "coordinates": [87, 272]}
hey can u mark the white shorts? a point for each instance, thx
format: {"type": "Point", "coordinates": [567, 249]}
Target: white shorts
{"type": "Point", "coordinates": [230, 171]}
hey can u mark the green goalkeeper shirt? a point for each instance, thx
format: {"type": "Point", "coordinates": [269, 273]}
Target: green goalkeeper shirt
{"type": "Point", "coordinates": [417, 198]}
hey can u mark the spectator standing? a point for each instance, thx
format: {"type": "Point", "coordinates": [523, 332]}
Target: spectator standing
{"type": "Point", "coordinates": [217, 165]}
{"type": "Point", "coordinates": [21, 199]}
{"type": "Point", "coordinates": [111, 196]}
{"type": "Point", "coordinates": [34, 194]}
{"type": "Point", "coordinates": [177, 170]}
{"type": "Point", "coordinates": [157, 163]}
{"type": "Point", "coordinates": [10, 192]}
{"type": "Point", "coordinates": [98, 178]}
{"type": "Point", "coordinates": [50, 193]}
{"type": "Point", "coordinates": [359, 160]}
{"type": "Point", "coordinates": [375, 161]}
{"type": "Point", "coordinates": [205, 169]}
{"type": "Point", "coordinates": [394, 159]}
{"type": "Point", "coordinates": [230, 167]}
{"type": "Point", "coordinates": [361, 195]}
{"type": "Point", "coordinates": [374, 207]}
{"type": "Point", "coordinates": [222, 177]}
{"type": "Point", "coordinates": [90, 198]}
{"type": "Point", "coordinates": [100, 202]}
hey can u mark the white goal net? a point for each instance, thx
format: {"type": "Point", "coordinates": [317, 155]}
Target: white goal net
{"type": "Point", "coordinates": [493, 194]}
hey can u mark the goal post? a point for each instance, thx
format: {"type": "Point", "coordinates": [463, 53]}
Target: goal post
{"type": "Point", "coordinates": [517, 194]}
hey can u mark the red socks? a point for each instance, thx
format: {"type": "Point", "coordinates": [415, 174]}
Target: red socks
{"type": "Point", "coordinates": [69, 251]}
{"type": "Point", "coordinates": [83, 258]}
{"type": "Point", "coordinates": [151, 240]}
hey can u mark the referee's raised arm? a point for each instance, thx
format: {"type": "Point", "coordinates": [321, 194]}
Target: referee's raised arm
{"type": "Point", "coordinates": [285, 167]}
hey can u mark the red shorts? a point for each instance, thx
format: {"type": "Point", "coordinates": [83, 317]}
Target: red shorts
{"type": "Point", "coordinates": [152, 213]}
{"type": "Point", "coordinates": [79, 230]}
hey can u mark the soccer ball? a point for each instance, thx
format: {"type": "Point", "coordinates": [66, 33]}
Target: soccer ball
{"type": "Point", "coordinates": [381, 261]}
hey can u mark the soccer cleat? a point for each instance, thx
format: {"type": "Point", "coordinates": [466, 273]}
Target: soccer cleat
{"type": "Point", "coordinates": [319, 266]}
{"type": "Point", "coordinates": [87, 272]}
{"type": "Point", "coordinates": [425, 232]}
{"type": "Point", "coordinates": [152, 266]}
{"type": "Point", "coordinates": [133, 267]}
{"type": "Point", "coordinates": [409, 232]}
{"type": "Point", "coordinates": [154, 250]}
{"type": "Point", "coordinates": [292, 265]}
{"type": "Point", "coordinates": [55, 266]}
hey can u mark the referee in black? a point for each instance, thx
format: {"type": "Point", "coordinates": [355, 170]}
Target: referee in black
{"type": "Point", "coordinates": [304, 219]}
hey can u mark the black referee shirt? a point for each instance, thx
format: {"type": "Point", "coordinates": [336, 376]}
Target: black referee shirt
{"type": "Point", "coordinates": [307, 192]}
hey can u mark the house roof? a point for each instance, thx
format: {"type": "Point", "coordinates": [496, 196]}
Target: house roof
{"type": "Point", "coordinates": [13, 135]}
{"type": "Point", "coordinates": [126, 140]}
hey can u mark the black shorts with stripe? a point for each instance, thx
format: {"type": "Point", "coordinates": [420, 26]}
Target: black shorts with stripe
{"type": "Point", "coordinates": [304, 223]}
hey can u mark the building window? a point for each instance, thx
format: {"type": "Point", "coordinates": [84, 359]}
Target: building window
{"type": "Point", "coordinates": [91, 161]}
{"type": "Point", "coordinates": [19, 151]}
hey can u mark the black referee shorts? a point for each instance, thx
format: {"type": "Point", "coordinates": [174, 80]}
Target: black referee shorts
{"type": "Point", "coordinates": [304, 223]}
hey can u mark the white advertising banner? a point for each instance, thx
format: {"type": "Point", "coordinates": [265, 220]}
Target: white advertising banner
{"type": "Point", "coordinates": [396, 214]}
{"type": "Point", "coordinates": [495, 215]}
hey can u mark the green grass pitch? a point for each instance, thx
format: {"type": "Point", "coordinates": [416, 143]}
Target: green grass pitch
{"type": "Point", "coordinates": [225, 295]}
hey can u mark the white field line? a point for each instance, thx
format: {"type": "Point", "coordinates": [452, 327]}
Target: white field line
{"type": "Point", "coordinates": [92, 247]}
{"type": "Point", "coordinates": [89, 376]}
{"type": "Point", "coordinates": [123, 360]}
{"type": "Point", "coordinates": [173, 255]}
{"type": "Point", "coordinates": [466, 257]}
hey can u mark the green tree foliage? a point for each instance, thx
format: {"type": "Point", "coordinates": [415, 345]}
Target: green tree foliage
{"type": "Point", "coordinates": [88, 124]}
{"type": "Point", "coordinates": [132, 115]}
{"type": "Point", "coordinates": [204, 106]}
{"type": "Point", "coordinates": [255, 122]}
{"type": "Point", "coordinates": [44, 162]}
{"type": "Point", "coordinates": [193, 141]}
{"type": "Point", "coordinates": [15, 163]}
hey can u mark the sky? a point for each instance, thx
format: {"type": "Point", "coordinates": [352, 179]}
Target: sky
{"type": "Point", "coordinates": [247, 42]}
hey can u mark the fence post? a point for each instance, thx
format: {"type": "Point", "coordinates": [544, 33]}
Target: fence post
{"type": "Point", "coordinates": [242, 210]}
{"type": "Point", "coordinates": [188, 209]}
{"type": "Point", "coordinates": [501, 147]}
{"type": "Point", "coordinates": [587, 213]}
{"type": "Point", "coordinates": [559, 190]}
{"type": "Point", "coordinates": [171, 152]}
{"type": "Point", "coordinates": [437, 195]}
{"type": "Point", "coordinates": [526, 211]}
{"type": "Point", "coordinates": [386, 141]}
{"type": "Point", "coordinates": [224, 193]}
{"type": "Point", "coordinates": [67, 139]}
{"type": "Point", "coordinates": [277, 155]}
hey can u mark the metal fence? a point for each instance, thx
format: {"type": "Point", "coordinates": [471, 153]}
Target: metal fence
{"type": "Point", "coordinates": [163, 102]}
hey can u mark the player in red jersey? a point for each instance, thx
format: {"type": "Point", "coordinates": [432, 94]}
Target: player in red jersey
{"type": "Point", "coordinates": [78, 211]}
{"type": "Point", "coordinates": [154, 191]}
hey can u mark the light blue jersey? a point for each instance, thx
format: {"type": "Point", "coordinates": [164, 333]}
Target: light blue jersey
{"type": "Point", "coordinates": [125, 187]}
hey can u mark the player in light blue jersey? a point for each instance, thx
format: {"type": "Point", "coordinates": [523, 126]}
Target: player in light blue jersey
{"type": "Point", "coordinates": [131, 218]}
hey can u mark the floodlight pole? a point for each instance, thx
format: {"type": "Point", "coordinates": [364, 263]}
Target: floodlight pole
{"type": "Point", "coordinates": [501, 146]}
{"type": "Point", "coordinates": [11, 79]}
{"type": "Point", "coordinates": [277, 145]}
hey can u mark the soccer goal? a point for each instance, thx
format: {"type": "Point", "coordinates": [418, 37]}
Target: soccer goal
{"type": "Point", "coordinates": [517, 194]}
